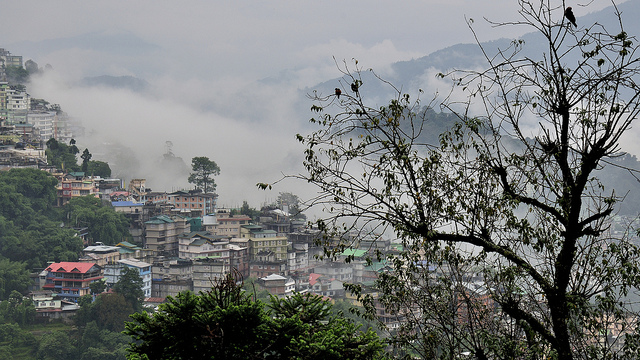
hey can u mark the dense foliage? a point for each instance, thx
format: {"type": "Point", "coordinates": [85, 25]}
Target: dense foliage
{"type": "Point", "coordinates": [30, 231]}
{"type": "Point", "coordinates": [225, 323]}
{"type": "Point", "coordinates": [62, 156]}
{"type": "Point", "coordinates": [104, 223]}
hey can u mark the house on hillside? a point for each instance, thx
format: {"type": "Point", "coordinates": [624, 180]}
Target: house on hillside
{"type": "Point", "coordinates": [113, 273]}
{"type": "Point", "coordinates": [48, 307]}
{"type": "Point", "coordinates": [71, 280]}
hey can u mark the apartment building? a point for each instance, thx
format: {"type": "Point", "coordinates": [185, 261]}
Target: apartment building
{"type": "Point", "coordinates": [194, 202]}
{"type": "Point", "coordinates": [71, 280]}
{"type": "Point", "coordinates": [161, 233]}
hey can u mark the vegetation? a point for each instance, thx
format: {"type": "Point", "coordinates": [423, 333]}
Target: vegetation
{"type": "Point", "coordinates": [292, 203]}
{"type": "Point", "coordinates": [104, 223]}
{"type": "Point", "coordinates": [130, 287]}
{"type": "Point", "coordinates": [16, 75]}
{"type": "Point", "coordinates": [86, 157]}
{"type": "Point", "coordinates": [225, 323]}
{"type": "Point", "coordinates": [30, 232]}
{"type": "Point", "coordinates": [510, 194]}
{"type": "Point", "coordinates": [98, 168]}
{"type": "Point", "coordinates": [62, 156]}
{"type": "Point", "coordinates": [203, 172]}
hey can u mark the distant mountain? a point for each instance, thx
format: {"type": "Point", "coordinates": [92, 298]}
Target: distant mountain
{"type": "Point", "coordinates": [409, 76]}
{"type": "Point", "coordinates": [413, 74]}
{"type": "Point", "coordinates": [116, 82]}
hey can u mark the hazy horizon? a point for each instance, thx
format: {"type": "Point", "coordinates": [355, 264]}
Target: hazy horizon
{"type": "Point", "coordinates": [206, 62]}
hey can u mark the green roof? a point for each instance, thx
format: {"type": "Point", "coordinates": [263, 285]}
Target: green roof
{"type": "Point", "coordinates": [354, 252]}
{"type": "Point", "coordinates": [160, 219]}
{"type": "Point", "coordinates": [377, 266]}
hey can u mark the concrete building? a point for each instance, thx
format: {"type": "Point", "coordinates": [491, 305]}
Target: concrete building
{"type": "Point", "coordinates": [261, 241]}
{"type": "Point", "coordinates": [43, 123]}
{"type": "Point", "coordinates": [229, 225]}
{"type": "Point", "coordinates": [170, 277]}
{"type": "Point", "coordinates": [206, 273]}
{"type": "Point", "coordinates": [100, 254]}
{"type": "Point", "coordinates": [70, 280]}
{"type": "Point", "coordinates": [161, 234]}
{"type": "Point", "coordinates": [193, 202]}
{"type": "Point", "coordinates": [113, 273]}
{"type": "Point", "coordinates": [74, 185]}
{"type": "Point", "coordinates": [200, 244]}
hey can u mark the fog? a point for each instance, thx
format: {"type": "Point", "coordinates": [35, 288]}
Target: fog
{"type": "Point", "coordinates": [225, 79]}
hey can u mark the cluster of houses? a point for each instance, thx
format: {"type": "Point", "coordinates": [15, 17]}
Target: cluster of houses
{"type": "Point", "coordinates": [181, 241]}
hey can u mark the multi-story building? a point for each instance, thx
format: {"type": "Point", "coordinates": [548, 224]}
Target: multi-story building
{"type": "Point", "coordinates": [170, 277]}
{"type": "Point", "coordinates": [100, 254]}
{"type": "Point", "coordinates": [6, 59]}
{"type": "Point", "coordinates": [113, 273]}
{"type": "Point", "coordinates": [4, 86]}
{"type": "Point", "coordinates": [74, 185]}
{"type": "Point", "coordinates": [229, 225]}
{"type": "Point", "coordinates": [50, 308]}
{"type": "Point", "coordinates": [207, 272]}
{"type": "Point", "coordinates": [161, 233]}
{"type": "Point", "coordinates": [70, 280]}
{"type": "Point", "coordinates": [264, 241]}
{"type": "Point", "coordinates": [260, 269]}
{"type": "Point", "coordinates": [137, 213]}
{"type": "Point", "coordinates": [199, 244]}
{"type": "Point", "coordinates": [239, 259]}
{"type": "Point", "coordinates": [193, 201]}
{"type": "Point", "coordinates": [43, 123]}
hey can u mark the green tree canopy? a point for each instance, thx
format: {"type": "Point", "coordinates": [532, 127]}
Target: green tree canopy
{"type": "Point", "coordinates": [225, 323]}
{"type": "Point", "coordinates": [104, 223]}
{"type": "Point", "coordinates": [30, 228]}
{"type": "Point", "coordinates": [99, 168]}
{"type": "Point", "coordinates": [62, 156]}
{"type": "Point", "coordinates": [130, 287]}
{"type": "Point", "coordinates": [203, 171]}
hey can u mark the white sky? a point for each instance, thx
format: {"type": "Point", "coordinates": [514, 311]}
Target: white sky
{"type": "Point", "coordinates": [210, 52]}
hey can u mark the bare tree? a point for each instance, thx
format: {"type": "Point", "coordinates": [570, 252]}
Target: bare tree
{"type": "Point", "coordinates": [522, 207]}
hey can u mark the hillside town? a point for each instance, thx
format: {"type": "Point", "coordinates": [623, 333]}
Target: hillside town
{"type": "Point", "coordinates": [484, 224]}
{"type": "Point", "coordinates": [180, 240]}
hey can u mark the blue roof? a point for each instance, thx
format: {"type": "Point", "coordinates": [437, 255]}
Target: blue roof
{"type": "Point", "coordinates": [126, 203]}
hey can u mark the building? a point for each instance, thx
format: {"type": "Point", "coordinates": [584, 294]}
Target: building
{"type": "Point", "coordinates": [206, 273]}
{"type": "Point", "coordinates": [113, 273]}
{"type": "Point", "coordinates": [49, 307]}
{"type": "Point", "coordinates": [6, 59]}
{"type": "Point", "coordinates": [43, 123]}
{"type": "Point", "coordinates": [170, 277]}
{"type": "Point", "coordinates": [193, 201]}
{"type": "Point", "coordinates": [137, 213]}
{"type": "Point", "coordinates": [100, 254]}
{"type": "Point", "coordinates": [161, 234]}
{"type": "Point", "coordinates": [260, 269]}
{"type": "Point", "coordinates": [229, 225]}
{"type": "Point", "coordinates": [274, 284]}
{"type": "Point", "coordinates": [264, 241]}
{"type": "Point", "coordinates": [71, 280]}
{"type": "Point", "coordinates": [198, 244]}
{"type": "Point", "coordinates": [74, 185]}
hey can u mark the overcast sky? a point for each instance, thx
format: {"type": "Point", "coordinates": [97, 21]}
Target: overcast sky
{"type": "Point", "coordinates": [204, 55]}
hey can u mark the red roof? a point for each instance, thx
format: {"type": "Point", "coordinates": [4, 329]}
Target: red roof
{"type": "Point", "coordinates": [313, 278]}
{"type": "Point", "coordinates": [79, 267]}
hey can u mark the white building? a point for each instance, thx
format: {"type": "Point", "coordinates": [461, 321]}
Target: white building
{"type": "Point", "coordinates": [43, 122]}
{"type": "Point", "coordinates": [113, 272]}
